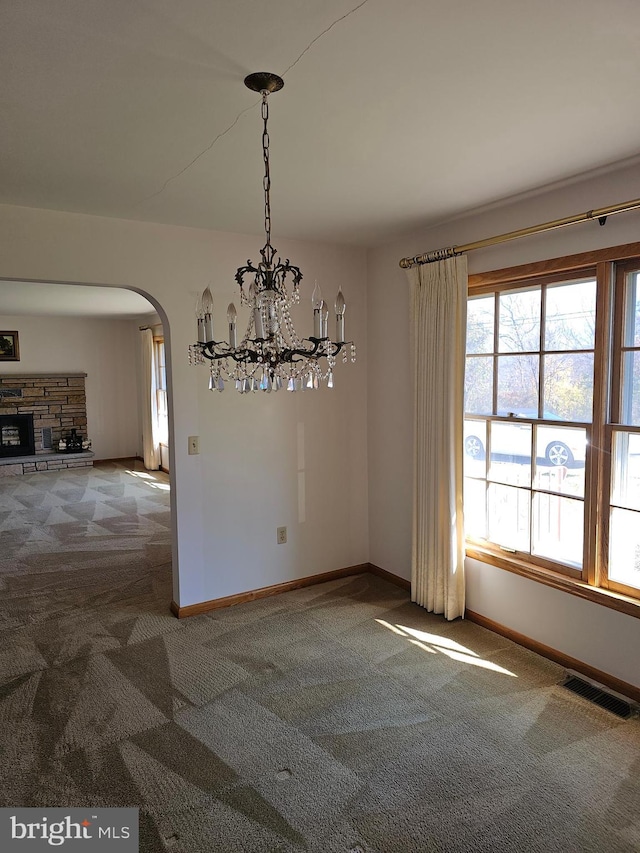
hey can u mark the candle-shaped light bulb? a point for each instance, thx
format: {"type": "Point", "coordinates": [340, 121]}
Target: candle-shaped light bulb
{"type": "Point", "coordinates": [252, 293]}
{"type": "Point", "coordinates": [207, 308]}
{"type": "Point", "coordinates": [232, 316]}
{"type": "Point", "coordinates": [207, 301]}
{"type": "Point", "coordinates": [341, 307]}
{"type": "Point", "coordinates": [324, 318]}
{"type": "Point", "coordinates": [316, 301]}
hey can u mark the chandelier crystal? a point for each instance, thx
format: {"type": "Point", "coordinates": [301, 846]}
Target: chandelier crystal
{"type": "Point", "coordinates": [270, 354]}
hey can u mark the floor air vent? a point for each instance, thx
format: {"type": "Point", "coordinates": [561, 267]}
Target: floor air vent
{"type": "Point", "coordinates": [599, 697]}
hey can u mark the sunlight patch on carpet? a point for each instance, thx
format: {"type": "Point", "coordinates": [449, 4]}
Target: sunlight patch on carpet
{"type": "Point", "coordinates": [433, 643]}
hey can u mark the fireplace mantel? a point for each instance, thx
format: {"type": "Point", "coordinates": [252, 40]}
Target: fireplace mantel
{"type": "Point", "coordinates": [31, 376]}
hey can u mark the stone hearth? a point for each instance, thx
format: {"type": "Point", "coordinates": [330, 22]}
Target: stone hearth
{"type": "Point", "coordinates": [44, 462]}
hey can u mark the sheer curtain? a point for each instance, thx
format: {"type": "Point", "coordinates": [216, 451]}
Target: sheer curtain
{"type": "Point", "coordinates": [438, 325]}
{"type": "Point", "coordinates": [150, 436]}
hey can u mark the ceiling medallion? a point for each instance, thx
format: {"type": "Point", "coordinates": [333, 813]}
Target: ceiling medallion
{"type": "Point", "coordinates": [270, 355]}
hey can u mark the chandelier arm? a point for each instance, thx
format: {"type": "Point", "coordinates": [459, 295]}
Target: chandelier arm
{"type": "Point", "coordinates": [237, 355]}
{"type": "Point", "coordinates": [243, 271]}
{"type": "Point", "coordinates": [303, 351]}
{"type": "Point", "coordinates": [287, 267]}
{"type": "Point", "coordinates": [336, 347]}
{"type": "Point", "coordinates": [313, 353]}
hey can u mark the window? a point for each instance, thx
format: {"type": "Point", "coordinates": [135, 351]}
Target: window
{"type": "Point", "coordinates": [161, 391]}
{"type": "Point", "coordinates": [623, 517]}
{"type": "Point", "coordinates": [552, 422]}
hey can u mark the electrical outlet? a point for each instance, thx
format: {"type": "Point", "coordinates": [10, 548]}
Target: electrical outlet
{"type": "Point", "coordinates": [194, 445]}
{"type": "Point", "coordinates": [282, 535]}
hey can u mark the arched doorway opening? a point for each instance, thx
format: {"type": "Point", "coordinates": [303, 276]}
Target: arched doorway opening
{"type": "Point", "coordinates": [120, 519]}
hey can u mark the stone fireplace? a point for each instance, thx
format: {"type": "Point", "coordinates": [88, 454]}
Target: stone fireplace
{"type": "Point", "coordinates": [54, 404]}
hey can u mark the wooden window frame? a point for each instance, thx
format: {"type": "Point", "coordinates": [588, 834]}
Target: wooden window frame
{"type": "Point", "coordinates": [592, 583]}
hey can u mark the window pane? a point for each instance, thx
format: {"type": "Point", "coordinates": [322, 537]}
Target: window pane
{"type": "Point", "coordinates": [625, 486]}
{"type": "Point", "coordinates": [475, 508]}
{"type": "Point", "coordinates": [630, 403]}
{"type": "Point", "coordinates": [558, 528]}
{"type": "Point", "coordinates": [519, 328]}
{"type": "Point", "coordinates": [570, 316]}
{"type": "Point", "coordinates": [509, 510]}
{"type": "Point", "coordinates": [480, 323]}
{"type": "Point", "coordinates": [568, 386]}
{"type": "Point", "coordinates": [518, 385]}
{"type": "Point", "coordinates": [163, 423]}
{"type": "Point", "coordinates": [475, 443]}
{"type": "Point", "coordinates": [510, 447]}
{"type": "Point", "coordinates": [478, 386]}
{"type": "Point", "coordinates": [624, 547]}
{"type": "Point", "coordinates": [560, 459]}
{"type": "Point", "coordinates": [632, 312]}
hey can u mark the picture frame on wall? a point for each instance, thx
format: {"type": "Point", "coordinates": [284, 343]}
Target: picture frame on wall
{"type": "Point", "coordinates": [9, 346]}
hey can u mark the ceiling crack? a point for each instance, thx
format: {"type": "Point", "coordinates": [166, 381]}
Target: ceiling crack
{"type": "Point", "coordinates": [324, 32]}
{"type": "Point", "coordinates": [242, 112]}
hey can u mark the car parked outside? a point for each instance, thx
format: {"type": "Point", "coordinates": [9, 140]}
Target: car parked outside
{"type": "Point", "coordinates": [558, 446]}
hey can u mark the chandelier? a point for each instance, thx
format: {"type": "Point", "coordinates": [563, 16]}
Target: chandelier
{"type": "Point", "coordinates": [270, 355]}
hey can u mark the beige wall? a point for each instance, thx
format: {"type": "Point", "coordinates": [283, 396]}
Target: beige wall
{"type": "Point", "coordinates": [298, 460]}
{"type": "Point", "coordinates": [600, 637]}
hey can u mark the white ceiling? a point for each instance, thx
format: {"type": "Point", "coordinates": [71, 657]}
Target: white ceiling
{"type": "Point", "coordinates": [395, 113]}
{"type": "Point", "coordinates": [72, 300]}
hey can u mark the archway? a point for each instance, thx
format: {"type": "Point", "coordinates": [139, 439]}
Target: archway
{"type": "Point", "coordinates": [64, 325]}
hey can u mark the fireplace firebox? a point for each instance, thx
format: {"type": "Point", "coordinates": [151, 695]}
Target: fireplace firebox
{"type": "Point", "coordinates": [16, 435]}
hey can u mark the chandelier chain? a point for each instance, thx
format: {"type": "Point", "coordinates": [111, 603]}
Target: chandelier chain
{"type": "Point", "coordinates": [266, 181]}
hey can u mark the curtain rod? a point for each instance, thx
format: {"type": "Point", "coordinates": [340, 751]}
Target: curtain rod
{"type": "Point", "coordinates": [440, 254]}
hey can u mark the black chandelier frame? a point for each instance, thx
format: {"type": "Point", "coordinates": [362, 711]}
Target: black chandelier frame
{"type": "Point", "coordinates": [269, 280]}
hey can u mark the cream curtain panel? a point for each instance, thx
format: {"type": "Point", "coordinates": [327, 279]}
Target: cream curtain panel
{"type": "Point", "coordinates": [438, 326]}
{"type": "Point", "coordinates": [150, 432]}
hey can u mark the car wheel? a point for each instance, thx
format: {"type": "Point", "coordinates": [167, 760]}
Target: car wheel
{"type": "Point", "coordinates": [473, 447]}
{"type": "Point", "coordinates": [558, 454]}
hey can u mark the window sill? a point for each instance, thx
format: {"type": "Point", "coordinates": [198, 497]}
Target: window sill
{"type": "Point", "coordinates": [605, 597]}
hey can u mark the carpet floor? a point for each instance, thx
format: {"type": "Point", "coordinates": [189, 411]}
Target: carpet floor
{"type": "Point", "coordinates": [339, 718]}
